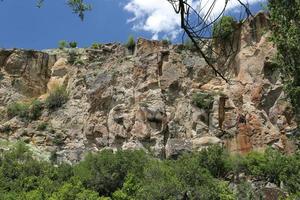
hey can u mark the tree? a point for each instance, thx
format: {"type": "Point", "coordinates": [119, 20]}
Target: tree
{"type": "Point", "coordinates": [285, 17]}
{"type": "Point", "coordinates": [79, 7]}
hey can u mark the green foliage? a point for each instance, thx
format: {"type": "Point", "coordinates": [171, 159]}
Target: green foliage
{"type": "Point", "coordinates": [224, 28]}
{"type": "Point", "coordinates": [189, 45]}
{"type": "Point", "coordinates": [285, 16]}
{"type": "Point", "coordinates": [160, 182]}
{"type": "Point", "coordinates": [130, 44]}
{"type": "Point", "coordinates": [18, 109]}
{"type": "Point", "coordinates": [25, 110]}
{"type": "Point", "coordinates": [79, 7]}
{"type": "Point", "coordinates": [96, 170]}
{"type": "Point", "coordinates": [203, 100]}
{"type": "Point", "coordinates": [58, 140]}
{"type": "Point", "coordinates": [35, 109]}
{"type": "Point", "coordinates": [6, 128]}
{"type": "Point", "coordinates": [166, 42]}
{"type": "Point", "coordinates": [62, 44]}
{"type": "Point", "coordinates": [42, 126]}
{"type": "Point", "coordinates": [73, 44]}
{"type": "Point", "coordinates": [96, 46]}
{"type": "Point", "coordinates": [57, 97]}
{"type": "Point", "coordinates": [134, 175]}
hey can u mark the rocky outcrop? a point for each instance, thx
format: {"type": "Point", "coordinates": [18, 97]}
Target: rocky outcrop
{"type": "Point", "coordinates": [145, 101]}
{"type": "Point", "coordinates": [28, 70]}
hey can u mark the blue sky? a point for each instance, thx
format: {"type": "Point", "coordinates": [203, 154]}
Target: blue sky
{"type": "Point", "coordinates": [23, 25]}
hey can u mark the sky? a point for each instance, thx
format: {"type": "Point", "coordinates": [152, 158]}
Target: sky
{"type": "Point", "coordinates": [23, 25]}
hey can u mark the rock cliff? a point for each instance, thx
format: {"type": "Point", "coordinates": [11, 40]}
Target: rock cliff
{"type": "Point", "coordinates": [148, 100]}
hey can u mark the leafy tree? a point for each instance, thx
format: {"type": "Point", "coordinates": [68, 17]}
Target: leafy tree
{"type": "Point", "coordinates": [78, 6]}
{"type": "Point", "coordinates": [224, 28]}
{"type": "Point", "coordinates": [285, 16]}
{"type": "Point", "coordinates": [131, 44]}
{"type": "Point", "coordinates": [159, 181]}
{"type": "Point", "coordinates": [106, 172]}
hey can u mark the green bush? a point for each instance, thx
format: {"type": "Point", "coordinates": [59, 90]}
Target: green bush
{"type": "Point", "coordinates": [35, 109]}
{"type": "Point", "coordinates": [73, 44]}
{"type": "Point", "coordinates": [224, 28]}
{"type": "Point", "coordinates": [58, 140]}
{"type": "Point", "coordinates": [286, 36]}
{"type": "Point", "coordinates": [130, 175]}
{"type": "Point", "coordinates": [58, 97]}
{"type": "Point", "coordinates": [42, 126]}
{"type": "Point", "coordinates": [25, 110]}
{"type": "Point", "coordinates": [189, 45]}
{"type": "Point", "coordinates": [96, 46]}
{"type": "Point", "coordinates": [62, 44]}
{"type": "Point", "coordinates": [166, 42]}
{"type": "Point", "coordinates": [203, 100]}
{"type": "Point", "coordinates": [131, 44]}
{"type": "Point", "coordinates": [18, 109]}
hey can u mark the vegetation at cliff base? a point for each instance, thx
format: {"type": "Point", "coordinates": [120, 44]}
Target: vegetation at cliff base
{"type": "Point", "coordinates": [128, 175]}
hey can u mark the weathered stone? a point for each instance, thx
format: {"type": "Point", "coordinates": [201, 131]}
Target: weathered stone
{"type": "Point", "coordinates": [145, 100]}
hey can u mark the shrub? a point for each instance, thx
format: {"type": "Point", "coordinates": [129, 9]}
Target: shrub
{"type": "Point", "coordinates": [203, 100]}
{"type": "Point", "coordinates": [131, 44]}
{"type": "Point", "coordinates": [42, 126]}
{"type": "Point", "coordinates": [18, 109]}
{"type": "Point", "coordinates": [24, 110]}
{"type": "Point", "coordinates": [6, 128]}
{"type": "Point", "coordinates": [106, 171]}
{"type": "Point", "coordinates": [166, 42]}
{"type": "Point", "coordinates": [58, 97]}
{"type": "Point", "coordinates": [73, 44]}
{"type": "Point", "coordinates": [96, 46]}
{"type": "Point", "coordinates": [58, 140]}
{"type": "Point", "coordinates": [35, 109]}
{"type": "Point", "coordinates": [73, 57]}
{"type": "Point", "coordinates": [62, 44]}
{"type": "Point", "coordinates": [189, 45]}
{"type": "Point", "coordinates": [224, 28]}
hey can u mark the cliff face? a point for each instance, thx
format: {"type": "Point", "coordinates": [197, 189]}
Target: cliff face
{"type": "Point", "coordinates": [146, 100]}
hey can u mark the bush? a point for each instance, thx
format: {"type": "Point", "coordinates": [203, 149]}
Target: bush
{"type": "Point", "coordinates": [166, 42]}
{"type": "Point", "coordinates": [58, 140]}
{"type": "Point", "coordinates": [189, 45]}
{"type": "Point", "coordinates": [106, 172]}
{"type": "Point", "coordinates": [224, 28]}
{"type": "Point", "coordinates": [18, 109]}
{"type": "Point", "coordinates": [58, 97]}
{"type": "Point", "coordinates": [73, 44]}
{"type": "Point", "coordinates": [42, 126]}
{"type": "Point", "coordinates": [131, 44]}
{"type": "Point", "coordinates": [24, 110]}
{"type": "Point", "coordinates": [35, 109]}
{"type": "Point", "coordinates": [128, 175]}
{"type": "Point", "coordinates": [96, 46]}
{"type": "Point", "coordinates": [203, 100]}
{"type": "Point", "coordinates": [62, 44]}
{"type": "Point", "coordinates": [73, 57]}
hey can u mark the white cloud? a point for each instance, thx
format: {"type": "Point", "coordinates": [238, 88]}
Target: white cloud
{"type": "Point", "coordinates": [159, 18]}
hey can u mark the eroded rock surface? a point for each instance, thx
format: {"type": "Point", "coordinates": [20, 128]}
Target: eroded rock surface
{"type": "Point", "coordinates": [145, 100]}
